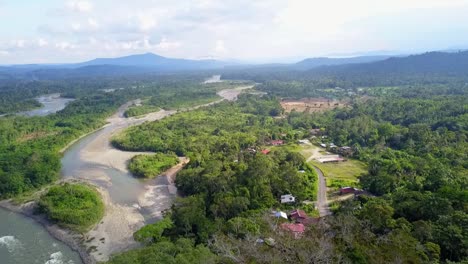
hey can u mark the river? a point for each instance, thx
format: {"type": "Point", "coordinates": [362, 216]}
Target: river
{"type": "Point", "coordinates": [130, 203]}
{"type": "Point", "coordinates": [24, 241]}
{"type": "Point", "coordinates": [51, 103]}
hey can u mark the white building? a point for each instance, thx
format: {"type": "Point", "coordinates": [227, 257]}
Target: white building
{"type": "Point", "coordinates": [288, 198]}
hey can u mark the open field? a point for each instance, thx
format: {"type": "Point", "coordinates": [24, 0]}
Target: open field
{"type": "Point", "coordinates": [337, 174]}
{"type": "Point", "coordinates": [311, 105]}
{"type": "Point", "coordinates": [342, 173]}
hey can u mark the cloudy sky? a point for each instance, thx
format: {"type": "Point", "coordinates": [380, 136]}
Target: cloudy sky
{"type": "Point", "coordinates": [50, 31]}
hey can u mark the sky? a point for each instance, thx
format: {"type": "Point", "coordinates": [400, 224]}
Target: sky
{"type": "Point", "coordinates": [59, 31]}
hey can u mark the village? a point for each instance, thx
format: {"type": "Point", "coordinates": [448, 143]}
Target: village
{"type": "Point", "coordinates": [293, 220]}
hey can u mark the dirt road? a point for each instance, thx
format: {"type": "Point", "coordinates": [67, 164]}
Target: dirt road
{"type": "Point", "coordinates": [322, 201]}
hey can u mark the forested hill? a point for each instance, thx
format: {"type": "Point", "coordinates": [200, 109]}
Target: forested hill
{"type": "Point", "coordinates": [312, 63]}
{"type": "Point", "coordinates": [428, 68]}
{"type": "Point", "coordinates": [431, 62]}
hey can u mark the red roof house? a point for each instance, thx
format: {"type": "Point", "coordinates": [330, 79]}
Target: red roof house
{"type": "Point", "coordinates": [296, 229]}
{"type": "Point", "coordinates": [266, 151]}
{"type": "Point", "coordinates": [298, 215]}
{"type": "Point", "coordinates": [346, 190]}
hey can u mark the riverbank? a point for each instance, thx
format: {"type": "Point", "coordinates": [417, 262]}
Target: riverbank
{"type": "Point", "coordinates": [92, 159]}
{"type": "Point", "coordinates": [69, 238]}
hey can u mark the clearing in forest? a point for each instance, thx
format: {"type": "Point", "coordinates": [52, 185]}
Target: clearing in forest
{"type": "Point", "coordinates": [338, 174]}
{"type": "Point", "coordinates": [310, 105]}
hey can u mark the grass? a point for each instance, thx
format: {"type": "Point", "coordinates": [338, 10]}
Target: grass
{"type": "Point", "coordinates": [337, 174]}
{"type": "Point", "coordinates": [141, 110]}
{"type": "Point", "coordinates": [149, 166]}
{"type": "Point", "coordinates": [342, 173]}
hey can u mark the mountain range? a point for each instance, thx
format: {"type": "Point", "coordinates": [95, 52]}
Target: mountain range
{"type": "Point", "coordinates": [448, 62]}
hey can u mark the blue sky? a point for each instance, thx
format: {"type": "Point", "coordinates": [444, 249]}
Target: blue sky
{"type": "Point", "coordinates": [52, 31]}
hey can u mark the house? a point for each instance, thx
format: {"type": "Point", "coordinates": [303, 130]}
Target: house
{"type": "Point", "coordinates": [298, 215]}
{"type": "Point", "coordinates": [288, 198]}
{"type": "Point", "coordinates": [276, 142]}
{"type": "Point", "coordinates": [346, 151]}
{"type": "Point", "coordinates": [330, 158]}
{"type": "Point", "coordinates": [323, 145]}
{"type": "Point", "coordinates": [346, 190]}
{"type": "Point", "coordinates": [266, 151]}
{"type": "Point", "coordinates": [296, 229]}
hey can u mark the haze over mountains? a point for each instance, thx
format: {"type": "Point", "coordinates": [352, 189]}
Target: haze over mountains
{"type": "Point", "coordinates": [442, 62]}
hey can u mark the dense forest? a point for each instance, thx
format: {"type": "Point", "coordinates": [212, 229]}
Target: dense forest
{"type": "Point", "coordinates": [29, 146]}
{"type": "Point", "coordinates": [410, 128]}
{"type": "Point", "coordinates": [413, 138]}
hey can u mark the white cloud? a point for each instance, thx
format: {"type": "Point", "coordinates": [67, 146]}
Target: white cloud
{"type": "Point", "coordinates": [242, 29]}
{"type": "Point", "coordinates": [20, 43]}
{"type": "Point", "coordinates": [219, 47]}
{"type": "Point", "coordinates": [146, 21]}
{"type": "Point", "coordinates": [166, 45]}
{"type": "Point", "coordinates": [93, 23]}
{"type": "Point", "coordinates": [64, 45]}
{"type": "Point", "coordinates": [76, 26]}
{"type": "Point", "coordinates": [79, 6]}
{"type": "Point", "coordinates": [42, 42]}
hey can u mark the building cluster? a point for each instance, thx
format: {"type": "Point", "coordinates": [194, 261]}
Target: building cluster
{"type": "Point", "coordinates": [298, 222]}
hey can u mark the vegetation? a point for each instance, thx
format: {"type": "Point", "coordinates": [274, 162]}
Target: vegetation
{"type": "Point", "coordinates": [343, 173]}
{"type": "Point", "coordinates": [415, 146]}
{"type": "Point", "coordinates": [410, 128]}
{"type": "Point", "coordinates": [149, 166]}
{"type": "Point", "coordinates": [140, 110]}
{"type": "Point", "coordinates": [416, 167]}
{"type": "Point", "coordinates": [75, 206]}
{"type": "Point", "coordinates": [29, 146]}
{"type": "Point", "coordinates": [166, 252]}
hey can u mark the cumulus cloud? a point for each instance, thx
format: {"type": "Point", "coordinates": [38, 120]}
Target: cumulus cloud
{"type": "Point", "coordinates": [242, 29]}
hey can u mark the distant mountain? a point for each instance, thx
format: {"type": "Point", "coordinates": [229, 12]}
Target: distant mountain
{"type": "Point", "coordinates": [133, 64]}
{"type": "Point", "coordinates": [310, 63]}
{"type": "Point", "coordinates": [156, 62]}
{"type": "Point", "coordinates": [426, 63]}
{"type": "Point", "coordinates": [325, 61]}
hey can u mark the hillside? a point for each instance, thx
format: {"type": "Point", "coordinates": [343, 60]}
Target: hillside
{"type": "Point", "coordinates": [430, 62]}
{"type": "Point", "coordinates": [311, 63]}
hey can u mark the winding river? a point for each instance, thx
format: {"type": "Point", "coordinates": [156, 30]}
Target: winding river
{"type": "Point", "coordinates": [130, 203]}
